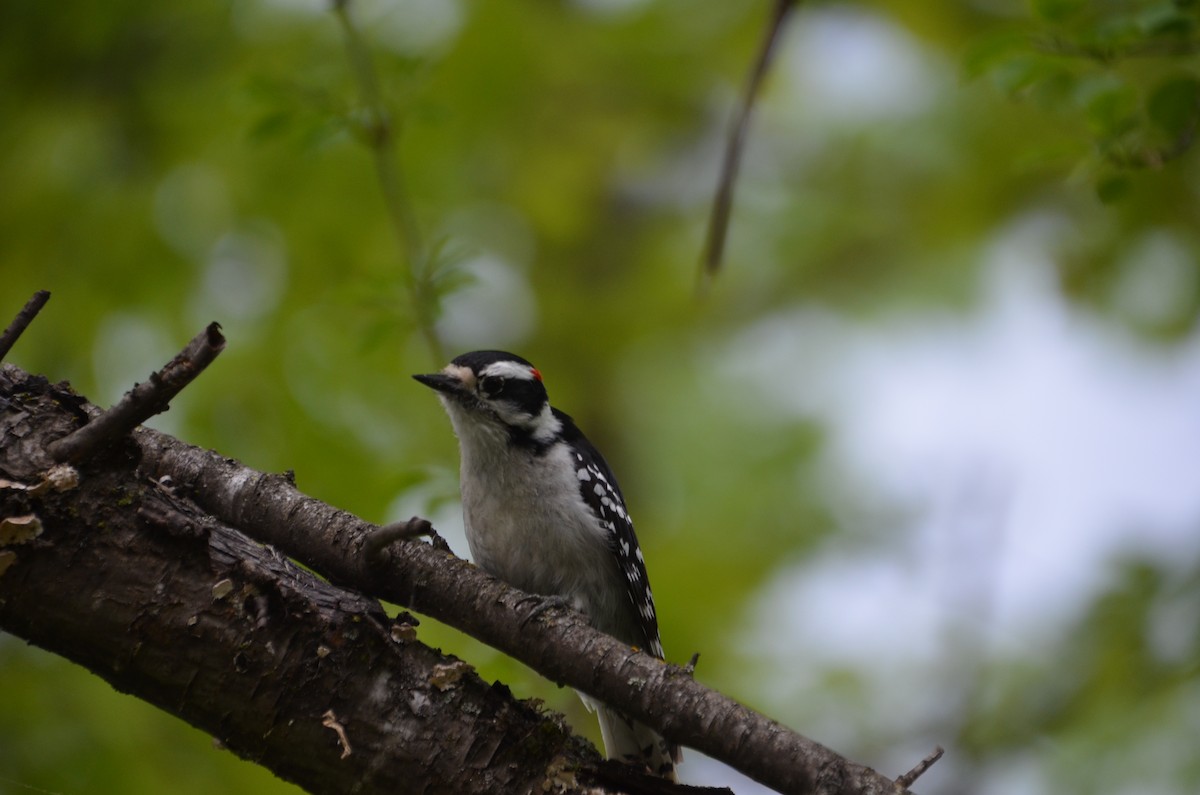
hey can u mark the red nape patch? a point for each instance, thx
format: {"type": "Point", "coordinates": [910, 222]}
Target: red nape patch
{"type": "Point", "coordinates": [534, 372]}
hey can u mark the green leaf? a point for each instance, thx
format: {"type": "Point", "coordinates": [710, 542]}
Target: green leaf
{"type": "Point", "coordinates": [1113, 188]}
{"type": "Point", "coordinates": [272, 125]}
{"type": "Point", "coordinates": [1056, 10]}
{"type": "Point", "coordinates": [1161, 20]}
{"type": "Point", "coordinates": [1021, 72]}
{"type": "Point", "coordinates": [1117, 33]}
{"type": "Point", "coordinates": [991, 52]}
{"type": "Point", "coordinates": [1110, 108]}
{"type": "Point", "coordinates": [1174, 104]}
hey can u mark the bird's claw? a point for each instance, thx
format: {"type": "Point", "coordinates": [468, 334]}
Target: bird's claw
{"type": "Point", "coordinates": [543, 603]}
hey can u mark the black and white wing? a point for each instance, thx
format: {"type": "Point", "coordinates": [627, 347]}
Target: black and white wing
{"type": "Point", "coordinates": [599, 489]}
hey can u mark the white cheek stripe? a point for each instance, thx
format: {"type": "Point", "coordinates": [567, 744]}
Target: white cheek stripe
{"type": "Point", "coordinates": [545, 425]}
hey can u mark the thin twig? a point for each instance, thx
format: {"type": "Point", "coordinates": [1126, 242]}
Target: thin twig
{"type": "Point", "coordinates": [718, 221]}
{"type": "Point", "coordinates": [22, 321]}
{"type": "Point", "coordinates": [1155, 159]}
{"type": "Point", "coordinates": [148, 398]}
{"type": "Point", "coordinates": [909, 778]}
{"type": "Point", "coordinates": [380, 137]}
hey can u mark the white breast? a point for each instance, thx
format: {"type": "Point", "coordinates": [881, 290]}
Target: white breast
{"type": "Point", "coordinates": [527, 524]}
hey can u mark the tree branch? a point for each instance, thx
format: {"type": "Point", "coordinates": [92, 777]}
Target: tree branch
{"type": "Point", "coordinates": [909, 778]}
{"type": "Point", "coordinates": [22, 321]}
{"type": "Point", "coordinates": [148, 398]}
{"type": "Point", "coordinates": [268, 508]}
{"type": "Point", "coordinates": [133, 581]}
{"type": "Point", "coordinates": [379, 134]}
{"type": "Point", "coordinates": [560, 645]}
{"type": "Point", "coordinates": [735, 144]}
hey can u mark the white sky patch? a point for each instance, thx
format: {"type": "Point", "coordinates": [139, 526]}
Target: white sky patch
{"type": "Point", "coordinates": [704, 770]}
{"type": "Point", "coordinates": [127, 349]}
{"type": "Point", "coordinates": [610, 7]}
{"type": "Point", "coordinates": [244, 276]}
{"type": "Point", "coordinates": [1030, 445]}
{"type": "Point", "coordinates": [408, 27]}
{"type": "Point", "coordinates": [848, 66]}
{"type": "Point", "coordinates": [412, 27]}
{"type": "Point", "coordinates": [123, 354]}
{"type": "Point", "coordinates": [436, 499]}
{"type": "Point", "coordinates": [192, 209]}
{"type": "Point", "coordinates": [497, 309]}
{"type": "Point", "coordinates": [1158, 279]}
{"type": "Point", "coordinates": [304, 7]}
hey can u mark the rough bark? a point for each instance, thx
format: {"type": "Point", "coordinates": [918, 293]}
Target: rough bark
{"type": "Point", "coordinates": [270, 648]}
{"type": "Point", "coordinates": [134, 582]}
{"type": "Point", "coordinates": [559, 644]}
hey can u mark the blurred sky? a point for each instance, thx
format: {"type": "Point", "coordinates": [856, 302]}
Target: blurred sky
{"type": "Point", "coordinates": [1053, 438]}
{"type": "Point", "coordinates": [1023, 447]}
{"type": "Point", "coordinates": [1032, 446]}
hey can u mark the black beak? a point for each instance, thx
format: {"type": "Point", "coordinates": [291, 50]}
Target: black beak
{"type": "Point", "coordinates": [441, 382]}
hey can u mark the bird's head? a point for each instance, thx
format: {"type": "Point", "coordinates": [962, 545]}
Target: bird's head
{"type": "Point", "coordinates": [494, 392]}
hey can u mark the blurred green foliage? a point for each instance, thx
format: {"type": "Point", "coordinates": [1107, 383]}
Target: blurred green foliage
{"type": "Point", "coordinates": [164, 165]}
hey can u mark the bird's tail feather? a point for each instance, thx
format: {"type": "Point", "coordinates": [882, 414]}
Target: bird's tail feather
{"type": "Point", "coordinates": [633, 742]}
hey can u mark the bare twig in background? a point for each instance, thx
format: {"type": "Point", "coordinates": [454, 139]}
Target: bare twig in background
{"type": "Point", "coordinates": [22, 321]}
{"type": "Point", "coordinates": [911, 776]}
{"type": "Point", "coordinates": [144, 400]}
{"type": "Point", "coordinates": [718, 221]}
{"type": "Point", "coordinates": [379, 134]}
{"type": "Point", "coordinates": [1155, 158]}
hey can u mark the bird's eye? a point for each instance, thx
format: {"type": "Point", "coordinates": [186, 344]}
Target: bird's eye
{"type": "Point", "coordinates": [491, 385]}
